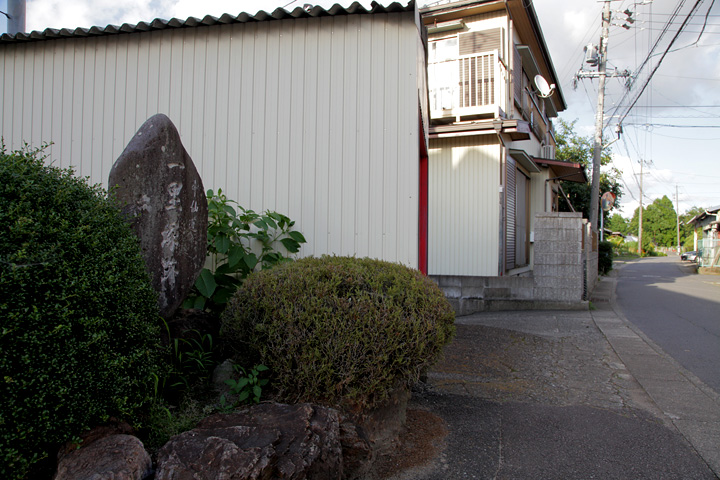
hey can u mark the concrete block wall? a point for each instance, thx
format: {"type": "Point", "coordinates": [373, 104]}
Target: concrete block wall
{"type": "Point", "coordinates": [558, 272]}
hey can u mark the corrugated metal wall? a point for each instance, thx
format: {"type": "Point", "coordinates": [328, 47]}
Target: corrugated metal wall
{"type": "Point", "coordinates": [464, 209]}
{"type": "Point", "coordinates": [315, 118]}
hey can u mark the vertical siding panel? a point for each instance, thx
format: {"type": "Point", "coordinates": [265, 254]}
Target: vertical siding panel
{"type": "Point", "coordinates": [185, 101]}
{"type": "Point", "coordinates": [109, 119]}
{"type": "Point", "coordinates": [36, 111]}
{"type": "Point", "coordinates": [259, 109]}
{"type": "Point", "coordinates": [235, 87]}
{"type": "Point", "coordinates": [121, 81]}
{"type": "Point", "coordinates": [284, 113]}
{"type": "Point", "coordinates": [142, 79]}
{"type": "Point", "coordinates": [58, 87]}
{"type": "Point", "coordinates": [363, 211]}
{"type": "Point", "coordinates": [197, 121]}
{"type": "Point", "coordinates": [207, 156]}
{"type": "Point", "coordinates": [311, 59]}
{"type": "Point", "coordinates": [165, 81]}
{"type": "Point", "coordinates": [155, 45]}
{"type": "Point", "coordinates": [390, 139]}
{"type": "Point", "coordinates": [377, 129]}
{"type": "Point", "coordinates": [85, 120]}
{"type": "Point", "coordinates": [45, 110]}
{"type": "Point", "coordinates": [408, 147]}
{"type": "Point", "coordinates": [99, 159]}
{"type": "Point", "coordinates": [221, 132]}
{"type": "Point", "coordinates": [22, 64]}
{"type": "Point", "coordinates": [6, 88]}
{"type": "Point", "coordinates": [296, 190]}
{"type": "Point", "coordinates": [335, 138]}
{"type": "Point", "coordinates": [463, 206]}
{"type": "Point", "coordinates": [270, 130]}
{"type": "Point", "coordinates": [324, 85]}
{"type": "Point", "coordinates": [76, 108]}
{"type": "Point", "coordinates": [132, 122]}
{"type": "Point", "coordinates": [350, 136]}
{"type": "Point", "coordinates": [177, 85]}
{"type": "Point", "coordinates": [247, 126]}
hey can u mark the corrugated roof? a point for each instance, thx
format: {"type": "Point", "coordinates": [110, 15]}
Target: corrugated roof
{"type": "Point", "coordinates": [208, 20]}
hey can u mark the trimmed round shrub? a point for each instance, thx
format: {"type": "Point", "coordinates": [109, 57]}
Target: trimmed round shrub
{"type": "Point", "coordinates": [338, 330]}
{"type": "Point", "coordinates": [79, 332]}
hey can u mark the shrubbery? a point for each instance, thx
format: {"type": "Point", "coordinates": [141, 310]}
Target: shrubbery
{"type": "Point", "coordinates": [79, 339]}
{"type": "Point", "coordinates": [339, 330]}
{"type": "Point", "coordinates": [605, 257]}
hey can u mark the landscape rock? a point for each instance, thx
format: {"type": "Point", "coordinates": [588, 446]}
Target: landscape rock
{"type": "Point", "coordinates": [264, 441]}
{"type": "Point", "coordinates": [164, 197]}
{"type": "Point", "coordinates": [116, 457]}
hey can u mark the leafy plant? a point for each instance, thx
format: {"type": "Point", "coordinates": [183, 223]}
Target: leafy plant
{"type": "Point", "coordinates": [193, 360]}
{"type": "Point", "coordinates": [239, 241]}
{"type": "Point", "coordinates": [247, 388]}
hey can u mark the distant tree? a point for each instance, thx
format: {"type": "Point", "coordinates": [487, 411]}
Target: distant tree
{"type": "Point", "coordinates": [659, 223]}
{"type": "Point", "coordinates": [573, 148]}
{"type": "Point", "coordinates": [618, 223]}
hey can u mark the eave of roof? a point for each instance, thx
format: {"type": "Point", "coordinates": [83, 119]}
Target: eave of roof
{"type": "Point", "coordinates": [208, 20]}
{"type": "Point", "coordinates": [567, 171]}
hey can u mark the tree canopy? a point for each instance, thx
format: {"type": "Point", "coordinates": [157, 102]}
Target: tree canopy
{"type": "Point", "coordinates": [572, 147]}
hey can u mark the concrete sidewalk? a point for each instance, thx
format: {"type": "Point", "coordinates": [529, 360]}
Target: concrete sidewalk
{"type": "Point", "coordinates": [566, 395]}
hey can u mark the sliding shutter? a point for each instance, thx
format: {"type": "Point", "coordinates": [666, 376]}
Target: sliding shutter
{"type": "Point", "coordinates": [510, 213]}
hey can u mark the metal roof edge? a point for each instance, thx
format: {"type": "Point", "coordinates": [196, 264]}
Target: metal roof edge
{"type": "Point", "coordinates": [159, 24]}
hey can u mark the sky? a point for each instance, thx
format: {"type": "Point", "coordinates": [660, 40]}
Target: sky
{"type": "Point", "coordinates": [672, 131]}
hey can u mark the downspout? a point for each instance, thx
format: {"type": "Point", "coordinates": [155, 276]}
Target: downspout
{"type": "Point", "coordinates": [503, 214]}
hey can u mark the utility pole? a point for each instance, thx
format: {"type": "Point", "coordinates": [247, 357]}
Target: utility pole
{"type": "Point", "coordinates": [597, 146]}
{"type": "Point", "coordinates": [640, 213]}
{"type": "Point", "coordinates": [600, 59]}
{"type": "Point", "coordinates": [677, 212]}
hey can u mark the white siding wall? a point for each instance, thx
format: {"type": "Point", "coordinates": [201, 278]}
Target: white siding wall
{"type": "Point", "coordinates": [315, 118]}
{"type": "Point", "coordinates": [464, 206]}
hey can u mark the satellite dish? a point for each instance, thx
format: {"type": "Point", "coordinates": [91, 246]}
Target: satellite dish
{"type": "Point", "coordinates": [543, 87]}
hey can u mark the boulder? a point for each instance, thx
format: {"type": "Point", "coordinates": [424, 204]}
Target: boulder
{"type": "Point", "coordinates": [116, 457]}
{"type": "Point", "coordinates": [264, 441]}
{"type": "Point", "coordinates": [164, 198]}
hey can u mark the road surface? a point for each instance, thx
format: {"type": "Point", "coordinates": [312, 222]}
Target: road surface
{"type": "Point", "coordinates": [677, 309]}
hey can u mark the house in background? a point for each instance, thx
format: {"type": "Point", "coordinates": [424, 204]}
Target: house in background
{"type": "Point", "coordinates": [317, 114]}
{"type": "Point", "coordinates": [492, 144]}
{"type": "Point", "coordinates": [707, 236]}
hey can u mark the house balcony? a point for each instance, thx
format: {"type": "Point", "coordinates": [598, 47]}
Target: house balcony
{"type": "Point", "coordinates": [469, 86]}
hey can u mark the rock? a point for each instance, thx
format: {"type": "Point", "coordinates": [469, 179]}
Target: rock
{"type": "Point", "coordinates": [116, 457]}
{"type": "Point", "coordinates": [265, 441]}
{"type": "Point", "coordinates": [113, 427]}
{"type": "Point", "coordinates": [222, 373]}
{"type": "Point", "coordinates": [164, 196]}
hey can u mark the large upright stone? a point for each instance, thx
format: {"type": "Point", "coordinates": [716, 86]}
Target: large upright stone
{"type": "Point", "coordinates": [164, 196]}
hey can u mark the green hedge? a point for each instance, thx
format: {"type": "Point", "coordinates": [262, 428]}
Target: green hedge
{"type": "Point", "coordinates": [605, 257]}
{"type": "Point", "coordinates": [79, 336]}
{"type": "Point", "coordinates": [337, 330]}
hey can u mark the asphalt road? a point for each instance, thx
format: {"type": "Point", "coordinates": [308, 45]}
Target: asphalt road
{"type": "Point", "coordinates": [677, 309]}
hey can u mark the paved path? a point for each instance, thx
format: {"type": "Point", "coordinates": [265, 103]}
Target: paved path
{"type": "Point", "coordinates": [566, 395]}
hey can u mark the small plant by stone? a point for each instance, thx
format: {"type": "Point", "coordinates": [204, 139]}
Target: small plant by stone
{"type": "Point", "coordinates": [248, 387]}
{"type": "Point", "coordinates": [238, 241]}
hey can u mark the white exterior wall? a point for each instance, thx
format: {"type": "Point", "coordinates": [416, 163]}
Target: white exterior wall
{"type": "Point", "coordinates": [464, 206]}
{"type": "Point", "coordinates": [315, 118]}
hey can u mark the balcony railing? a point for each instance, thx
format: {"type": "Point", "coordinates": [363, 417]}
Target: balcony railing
{"type": "Point", "coordinates": [469, 85]}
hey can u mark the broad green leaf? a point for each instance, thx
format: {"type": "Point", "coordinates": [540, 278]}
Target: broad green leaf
{"type": "Point", "coordinates": [222, 243]}
{"type": "Point", "coordinates": [206, 283]}
{"type": "Point", "coordinates": [236, 254]}
{"type": "Point", "coordinates": [199, 303]}
{"type": "Point", "coordinates": [229, 210]}
{"type": "Point", "coordinates": [297, 236]}
{"type": "Point", "coordinates": [223, 295]}
{"type": "Point", "coordinates": [291, 245]}
{"type": "Point", "coordinates": [250, 260]}
{"type": "Point", "coordinates": [261, 368]}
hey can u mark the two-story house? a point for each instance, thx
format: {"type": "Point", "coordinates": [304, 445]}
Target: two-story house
{"type": "Point", "coordinates": [492, 160]}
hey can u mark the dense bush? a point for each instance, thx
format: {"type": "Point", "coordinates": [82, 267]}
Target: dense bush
{"type": "Point", "coordinates": [605, 257]}
{"type": "Point", "coordinates": [339, 330]}
{"type": "Point", "coordinates": [79, 339]}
